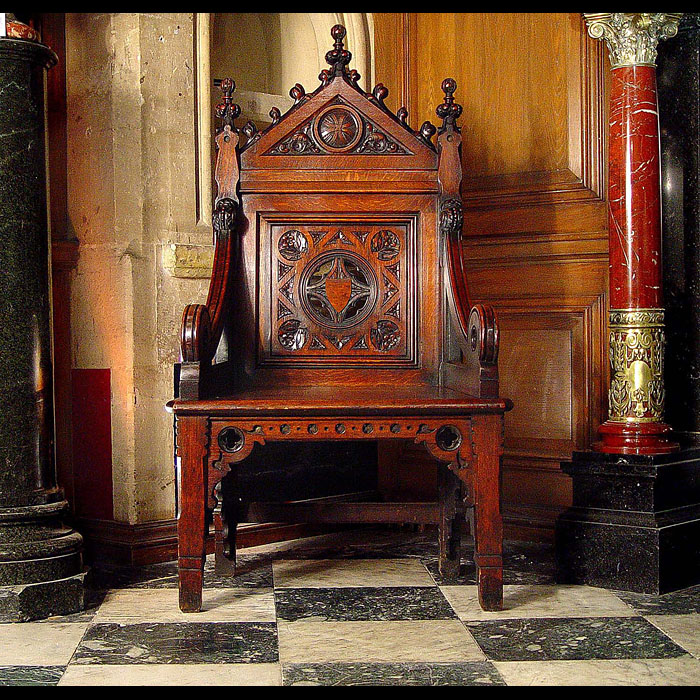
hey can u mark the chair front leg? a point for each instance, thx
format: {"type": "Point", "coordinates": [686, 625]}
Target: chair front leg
{"type": "Point", "coordinates": [488, 525]}
{"type": "Point", "coordinates": [193, 443]}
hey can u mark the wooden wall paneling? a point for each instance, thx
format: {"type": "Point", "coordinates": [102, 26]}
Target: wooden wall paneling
{"type": "Point", "coordinates": [532, 107]}
{"type": "Point", "coordinates": [391, 39]}
{"type": "Point", "coordinates": [534, 88]}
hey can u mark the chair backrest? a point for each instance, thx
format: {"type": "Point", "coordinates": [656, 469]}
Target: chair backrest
{"type": "Point", "coordinates": [339, 275]}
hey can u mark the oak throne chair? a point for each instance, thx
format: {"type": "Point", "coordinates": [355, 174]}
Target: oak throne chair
{"type": "Point", "coordinates": [338, 310]}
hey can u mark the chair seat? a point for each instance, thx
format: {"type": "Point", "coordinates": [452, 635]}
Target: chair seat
{"type": "Point", "coordinates": [342, 400]}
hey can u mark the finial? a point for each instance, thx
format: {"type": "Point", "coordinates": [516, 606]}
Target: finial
{"type": "Point", "coordinates": [449, 111]}
{"type": "Point", "coordinates": [402, 115]}
{"type": "Point", "coordinates": [339, 57]}
{"type": "Point", "coordinates": [426, 133]}
{"type": "Point", "coordinates": [227, 110]}
{"type": "Point", "coordinates": [380, 93]}
{"type": "Point", "coordinates": [297, 93]}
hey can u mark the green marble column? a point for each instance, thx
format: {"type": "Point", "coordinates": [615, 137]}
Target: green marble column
{"type": "Point", "coordinates": [41, 568]}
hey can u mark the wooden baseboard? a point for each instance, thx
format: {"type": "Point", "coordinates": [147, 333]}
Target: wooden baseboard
{"type": "Point", "coordinates": [122, 544]}
{"type": "Point", "coordinates": [108, 542]}
{"type": "Point", "coordinates": [529, 523]}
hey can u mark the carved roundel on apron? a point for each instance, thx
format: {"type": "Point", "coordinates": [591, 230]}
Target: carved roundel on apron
{"type": "Point", "coordinates": [338, 128]}
{"type": "Point", "coordinates": [338, 289]}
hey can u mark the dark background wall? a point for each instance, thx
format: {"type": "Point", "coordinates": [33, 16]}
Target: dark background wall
{"type": "Point", "coordinates": [679, 101]}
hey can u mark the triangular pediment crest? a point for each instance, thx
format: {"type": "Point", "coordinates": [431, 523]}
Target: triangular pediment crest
{"type": "Point", "coordinates": [338, 128]}
{"type": "Point", "coordinates": [338, 118]}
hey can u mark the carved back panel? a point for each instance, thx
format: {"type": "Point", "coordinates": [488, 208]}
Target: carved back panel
{"type": "Point", "coordinates": [342, 290]}
{"type": "Point", "coordinates": [340, 251]}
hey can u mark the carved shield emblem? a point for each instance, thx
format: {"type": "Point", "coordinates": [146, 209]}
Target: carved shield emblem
{"type": "Point", "coordinates": [338, 291]}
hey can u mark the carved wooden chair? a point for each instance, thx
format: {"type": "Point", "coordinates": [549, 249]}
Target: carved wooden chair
{"type": "Point", "coordinates": [338, 310]}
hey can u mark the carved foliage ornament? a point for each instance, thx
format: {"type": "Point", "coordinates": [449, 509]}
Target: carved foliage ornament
{"type": "Point", "coordinates": [632, 37]}
{"type": "Point", "coordinates": [637, 342]}
{"type": "Point", "coordinates": [451, 216]}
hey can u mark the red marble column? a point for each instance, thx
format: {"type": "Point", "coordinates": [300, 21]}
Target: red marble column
{"type": "Point", "coordinates": [636, 341]}
{"type": "Point", "coordinates": [634, 196]}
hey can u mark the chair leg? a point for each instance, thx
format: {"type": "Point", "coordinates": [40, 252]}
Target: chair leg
{"type": "Point", "coordinates": [488, 526]}
{"type": "Point", "coordinates": [225, 524]}
{"type": "Point", "coordinates": [192, 520]}
{"type": "Point", "coordinates": [449, 538]}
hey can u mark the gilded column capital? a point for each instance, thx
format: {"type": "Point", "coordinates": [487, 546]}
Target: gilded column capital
{"type": "Point", "coordinates": [632, 37]}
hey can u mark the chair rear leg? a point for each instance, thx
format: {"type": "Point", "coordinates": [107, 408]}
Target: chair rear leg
{"type": "Point", "coordinates": [225, 524]}
{"type": "Point", "coordinates": [488, 525]}
{"type": "Point", "coordinates": [449, 537]}
{"type": "Point", "coordinates": [192, 520]}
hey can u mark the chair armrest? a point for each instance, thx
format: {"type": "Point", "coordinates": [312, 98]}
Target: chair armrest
{"type": "Point", "coordinates": [202, 324]}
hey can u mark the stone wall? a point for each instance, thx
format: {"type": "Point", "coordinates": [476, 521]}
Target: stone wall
{"type": "Point", "coordinates": [131, 192]}
{"type": "Point", "coordinates": [139, 138]}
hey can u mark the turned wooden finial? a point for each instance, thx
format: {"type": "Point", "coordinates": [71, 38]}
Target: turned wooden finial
{"type": "Point", "coordinates": [339, 57]}
{"type": "Point", "coordinates": [449, 111]}
{"type": "Point", "coordinates": [227, 110]}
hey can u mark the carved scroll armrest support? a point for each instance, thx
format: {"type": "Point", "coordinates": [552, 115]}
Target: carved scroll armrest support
{"type": "Point", "coordinates": [476, 326]}
{"type": "Point", "coordinates": [482, 352]}
{"type": "Point", "coordinates": [195, 333]}
{"type": "Point", "coordinates": [202, 324]}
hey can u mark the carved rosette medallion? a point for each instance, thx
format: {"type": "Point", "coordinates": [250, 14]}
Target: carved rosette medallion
{"type": "Point", "coordinates": [385, 335]}
{"type": "Point", "coordinates": [637, 342]}
{"type": "Point", "coordinates": [293, 335]}
{"type": "Point", "coordinates": [632, 37]}
{"type": "Point", "coordinates": [338, 128]}
{"type": "Point", "coordinates": [386, 245]}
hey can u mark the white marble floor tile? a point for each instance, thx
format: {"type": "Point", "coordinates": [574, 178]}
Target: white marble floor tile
{"type": "Point", "coordinates": [39, 643]}
{"type": "Point", "coordinates": [310, 641]}
{"type": "Point", "coordinates": [174, 674]}
{"type": "Point", "coordinates": [684, 630]}
{"type": "Point", "coordinates": [342, 573]}
{"type": "Point", "coordinates": [161, 605]}
{"type": "Point", "coordinates": [628, 672]}
{"type": "Point", "coordinates": [521, 601]}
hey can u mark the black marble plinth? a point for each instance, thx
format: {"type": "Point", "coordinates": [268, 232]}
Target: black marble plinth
{"type": "Point", "coordinates": [34, 601]}
{"type": "Point", "coordinates": [40, 557]}
{"type": "Point", "coordinates": [634, 524]}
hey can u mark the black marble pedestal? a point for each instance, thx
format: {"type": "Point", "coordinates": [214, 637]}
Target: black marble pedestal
{"type": "Point", "coordinates": [634, 524]}
{"type": "Point", "coordinates": [41, 570]}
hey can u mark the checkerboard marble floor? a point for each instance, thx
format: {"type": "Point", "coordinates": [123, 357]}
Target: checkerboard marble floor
{"type": "Point", "coordinates": [360, 607]}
